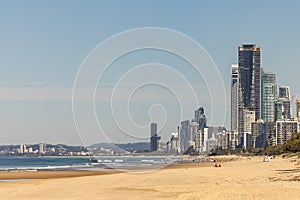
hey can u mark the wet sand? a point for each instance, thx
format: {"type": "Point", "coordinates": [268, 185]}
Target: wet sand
{"type": "Point", "coordinates": [51, 174]}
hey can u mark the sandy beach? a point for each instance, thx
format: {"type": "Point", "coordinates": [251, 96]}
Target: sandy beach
{"type": "Point", "coordinates": [240, 179]}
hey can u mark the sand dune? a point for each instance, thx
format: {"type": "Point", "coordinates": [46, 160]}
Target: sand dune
{"type": "Point", "coordinates": [242, 179]}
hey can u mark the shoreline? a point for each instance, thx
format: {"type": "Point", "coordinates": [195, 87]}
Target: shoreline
{"type": "Point", "coordinates": [71, 173]}
{"type": "Point", "coordinates": [242, 177]}
{"type": "Point", "coordinates": [96, 166]}
{"type": "Point", "coordinates": [53, 174]}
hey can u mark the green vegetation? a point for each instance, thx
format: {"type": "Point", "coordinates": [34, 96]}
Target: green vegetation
{"type": "Point", "coordinates": [290, 146]}
{"type": "Point", "coordinates": [243, 152]}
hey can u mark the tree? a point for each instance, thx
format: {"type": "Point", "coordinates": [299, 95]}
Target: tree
{"type": "Point", "coordinates": [290, 146]}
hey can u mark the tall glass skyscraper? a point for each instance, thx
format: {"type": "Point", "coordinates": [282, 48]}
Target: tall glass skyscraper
{"type": "Point", "coordinates": [153, 137]}
{"type": "Point", "coordinates": [249, 78]}
{"type": "Point", "coordinates": [249, 90]}
{"type": "Point", "coordinates": [268, 98]}
{"type": "Point", "coordinates": [200, 118]}
{"type": "Point", "coordinates": [278, 110]}
{"type": "Point", "coordinates": [184, 135]}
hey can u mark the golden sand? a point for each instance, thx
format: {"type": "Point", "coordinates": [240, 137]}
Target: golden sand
{"type": "Point", "coordinates": [51, 174]}
{"type": "Point", "coordinates": [241, 179]}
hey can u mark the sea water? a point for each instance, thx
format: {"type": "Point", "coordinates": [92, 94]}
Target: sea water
{"type": "Point", "coordinates": [9, 164]}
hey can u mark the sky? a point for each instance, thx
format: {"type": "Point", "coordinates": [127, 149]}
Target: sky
{"type": "Point", "coordinates": [43, 44]}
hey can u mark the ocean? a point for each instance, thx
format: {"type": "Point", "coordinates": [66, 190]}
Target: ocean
{"type": "Point", "coordinates": [10, 164]}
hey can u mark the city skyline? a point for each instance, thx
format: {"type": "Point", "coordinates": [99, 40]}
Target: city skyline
{"type": "Point", "coordinates": [43, 45]}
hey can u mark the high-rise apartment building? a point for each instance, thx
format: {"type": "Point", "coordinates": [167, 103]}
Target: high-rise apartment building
{"type": "Point", "coordinates": [198, 141]}
{"type": "Point", "coordinates": [234, 97]}
{"type": "Point", "coordinates": [248, 118]}
{"type": "Point", "coordinates": [270, 133]}
{"type": "Point", "coordinates": [285, 97]}
{"type": "Point", "coordinates": [268, 96]}
{"type": "Point", "coordinates": [21, 149]}
{"type": "Point", "coordinates": [205, 139]}
{"type": "Point", "coordinates": [257, 134]}
{"type": "Point", "coordinates": [278, 110]}
{"type": "Point", "coordinates": [42, 148]}
{"type": "Point", "coordinates": [200, 118]}
{"type": "Point", "coordinates": [249, 78]}
{"type": "Point", "coordinates": [285, 129]}
{"type": "Point", "coordinates": [174, 143]}
{"type": "Point", "coordinates": [153, 137]}
{"type": "Point", "coordinates": [193, 132]}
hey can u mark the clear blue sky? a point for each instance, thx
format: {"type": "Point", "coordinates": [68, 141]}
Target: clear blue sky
{"type": "Point", "coordinates": [43, 43]}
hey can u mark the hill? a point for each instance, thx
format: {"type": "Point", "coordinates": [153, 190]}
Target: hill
{"type": "Point", "coordinates": [139, 146]}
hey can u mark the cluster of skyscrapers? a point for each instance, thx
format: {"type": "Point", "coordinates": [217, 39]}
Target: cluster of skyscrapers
{"type": "Point", "coordinates": [192, 137]}
{"type": "Point", "coordinates": [259, 115]}
{"type": "Point", "coordinates": [25, 149]}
